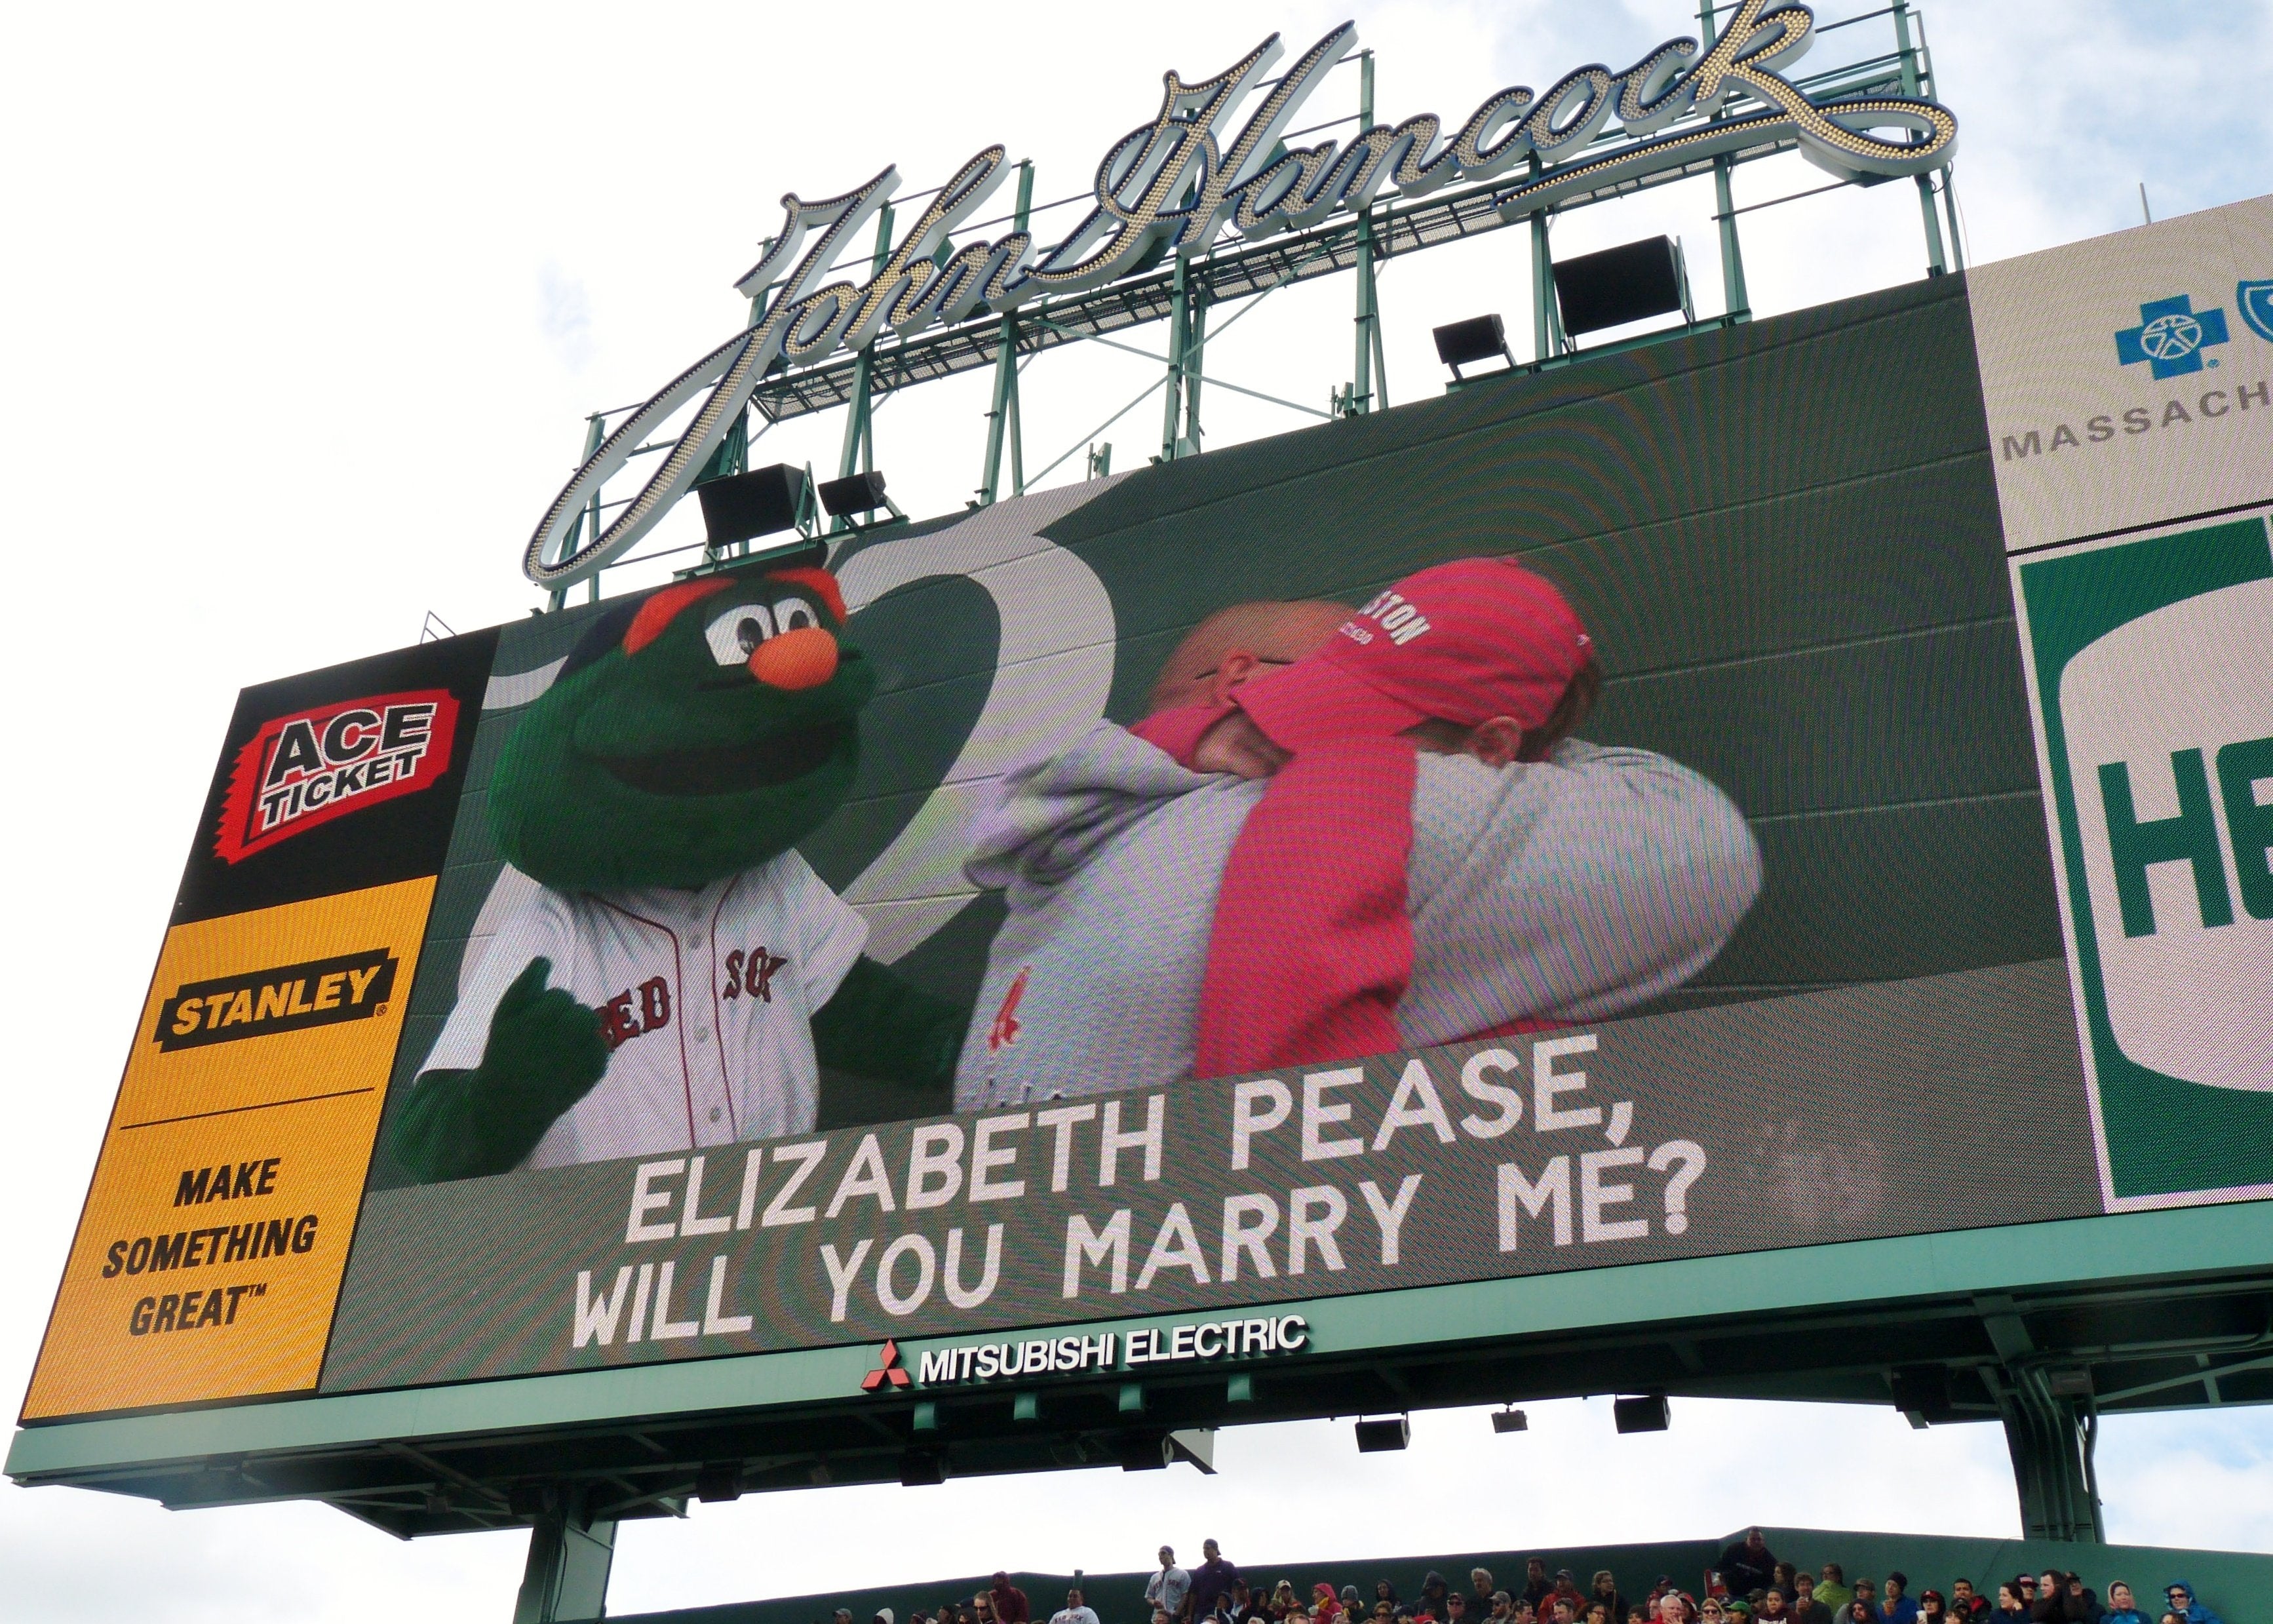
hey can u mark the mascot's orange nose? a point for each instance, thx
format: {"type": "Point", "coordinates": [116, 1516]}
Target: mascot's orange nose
{"type": "Point", "coordinates": [805, 658]}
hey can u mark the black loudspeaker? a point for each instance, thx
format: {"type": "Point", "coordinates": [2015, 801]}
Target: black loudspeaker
{"type": "Point", "coordinates": [718, 1485]}
{"type": "Point", "coordinates": [1645, 1414]}
{"type": "Point", "coordinates": [1619, 285]}
{"type": "Point", "coordinates": [1378, 1437]}
{"type": "Point", "coordinates": [1923, 1390]}
{"type": "Point", "coordinates": [855, 493]}
{"type": "Point", "coordinates": [1464, 343]}
{"type": "Point", "coordinates": [758, 503]}
{"type": "Point", "coordinates": [919, 1467]}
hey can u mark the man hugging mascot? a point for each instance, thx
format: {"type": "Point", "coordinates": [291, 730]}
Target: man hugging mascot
{"type": "Point", "coordinates": [679, 975]}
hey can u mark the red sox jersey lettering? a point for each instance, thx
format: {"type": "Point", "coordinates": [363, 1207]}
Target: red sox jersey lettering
{"type": "Point", "coordinates": [751, 973]}
{"type": "Point", "coordinates": [709, 1038]}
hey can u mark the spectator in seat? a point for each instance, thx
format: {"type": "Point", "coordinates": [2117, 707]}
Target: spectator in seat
{"type": "Point", "coordinates": [1167, 1589]}
{"type": "Point", "coordinates": [1748, 1565]}
{"type": "Point", "coordinates": [1898, 1608]}
{"type": "Point", "coordinates": [1831, 1590]}
{"type": "Point", "coordinates": [1606, 1591]}
{"type": "Point", "coordinates": [2181, 1595]}
{"type": "Point", "coordinates": [1965, 1605]}
{"type": "Point", "coordinates": [1867, 1593]}
{"type": "Point", "coordinates": [2122, 1607]}
{"type": "Point", "coordinates": [1503, 1607]}
{"type": "Point", "coordinates": [1210, 1580]}
{"type": "Point", "coordinates": [1480, 1592]}
{"type": "Point", "coordinates": [1932, 1609]}
{"type": "Point", "coordinates": [1806, 1606]}
{"type": "Point", "coordinates": [2010, 1608]}
{"type": "Point", "coordinates": [983, 1605]}
{"type": "Point", "coordinates": [1774, 1608]}
{"type": "Point", "coordinates": [1564, 1610]}
{"type": "Point", "coordinates": [1009, 1601]}
{"type": "Point", "coordinates": [1435, 1593]}
{"type": "Point", "coordinates": [1076, 1611]}
{"type": "Point", "coordinates": [1537, 1587]}
{"type": "Point", "coordinates": [1353, 1609]}
{"type": "Point", "coordinates": [1456, 1609]}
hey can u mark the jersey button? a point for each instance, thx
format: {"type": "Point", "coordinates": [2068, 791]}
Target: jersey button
{"type": "Point", "coordinates": [702, 1034]}
{"type": "Point", "coordinates": [695, 940]}
{"type": "Point", "coordinates": [715, 1113]}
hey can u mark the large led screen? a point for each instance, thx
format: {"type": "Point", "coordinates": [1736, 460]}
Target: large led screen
{"type": "Point", "coordinates": [1589, 818]}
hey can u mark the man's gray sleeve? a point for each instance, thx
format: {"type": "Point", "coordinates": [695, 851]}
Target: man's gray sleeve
{"type": "Point", "coordinates": [1569, 889]}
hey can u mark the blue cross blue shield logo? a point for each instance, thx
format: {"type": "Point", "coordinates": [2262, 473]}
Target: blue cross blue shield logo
{"type": "Point", "coordinates": [2171, 336]}
{"type": "Point", "coordinates": [2255, 300]}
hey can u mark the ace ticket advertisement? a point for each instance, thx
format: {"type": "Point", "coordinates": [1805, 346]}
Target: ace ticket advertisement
{"type": "Point", "coordinates": [215, 1235]}
{"type": "Point", "coordinates": [1594, 817]}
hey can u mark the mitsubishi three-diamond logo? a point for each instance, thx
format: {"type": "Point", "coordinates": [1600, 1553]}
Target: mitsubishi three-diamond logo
{"type": "Point", "coordinates": [2170, 337]}
{"type": "Point", "coordinates": [888, 1369]}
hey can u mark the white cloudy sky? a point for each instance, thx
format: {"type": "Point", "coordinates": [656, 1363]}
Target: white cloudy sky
{"type": "Point", "coordinates": [301, 309]}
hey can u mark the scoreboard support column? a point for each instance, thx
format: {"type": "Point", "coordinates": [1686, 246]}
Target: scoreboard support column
{"type": "Point", "coordinates": [566, 1577]}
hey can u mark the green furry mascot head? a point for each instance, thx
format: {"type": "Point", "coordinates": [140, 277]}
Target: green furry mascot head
{"type": "Point", "coordinates": [697, 733]}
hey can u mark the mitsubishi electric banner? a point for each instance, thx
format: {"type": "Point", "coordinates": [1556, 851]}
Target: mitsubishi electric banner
{"type": "Point", "coordinates": [1739, 793]}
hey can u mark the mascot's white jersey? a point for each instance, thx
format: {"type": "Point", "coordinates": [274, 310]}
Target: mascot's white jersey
{"type": "Point", "coordinates": [706, 998]}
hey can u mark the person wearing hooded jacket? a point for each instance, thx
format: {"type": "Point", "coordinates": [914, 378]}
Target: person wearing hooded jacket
{"type": "Point", "coordinates": [1545, 881]}
{"type": "Point", "coordinates": [2181, 1595]}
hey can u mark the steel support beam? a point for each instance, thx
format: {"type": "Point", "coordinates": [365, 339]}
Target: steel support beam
{"type": "Point", "coordinates": [1002, 414]}
{"type": "Point", "coordinates": [2051, 1441]}
{"type": "Point", "coordinates": [859, 450]}
{"type": "Point", "coordinates": [567, 1576]}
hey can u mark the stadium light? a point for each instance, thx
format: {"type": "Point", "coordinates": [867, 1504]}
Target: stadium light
{"type": "Point", "coordinates": [855, 493]}
{"type": "Point", "coordinates": [1378, 1437]}
{"type": "Point", "coordinates": [1631, 282]}
{"type": "Point", "coordinates": [1464, 343]}
{"type": "Point", "coordinates": [1511, 1421]}
{"type": "Point", "coordinates": [742, 506]}
{"type": "Point", "coordinates": [1644, 1414]}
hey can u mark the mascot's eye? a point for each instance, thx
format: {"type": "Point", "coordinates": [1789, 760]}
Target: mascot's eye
{"type": "Point", "coordinates": [795, 612]}
{"type": "Point", "coordinates": [735, 635]}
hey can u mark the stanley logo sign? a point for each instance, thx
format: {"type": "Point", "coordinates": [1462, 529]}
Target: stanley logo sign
{"type": "Point", "coordinates": [353, 986]}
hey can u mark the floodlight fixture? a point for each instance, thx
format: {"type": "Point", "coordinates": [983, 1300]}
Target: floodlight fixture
{"type": "Point", "coordinates": [855, 493]}
{"type": "Point", "coordinates": [743, 507]}
{"type": "Point", "coordinates": [1631, 282]}
{"type": "Point", "coordinates": [1511, 1421]}
{"type": "Point", "coordinates": [1464, 343]}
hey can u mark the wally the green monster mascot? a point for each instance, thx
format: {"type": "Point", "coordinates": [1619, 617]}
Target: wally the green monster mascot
{"type": "Point", "coordinates": [679, 975]}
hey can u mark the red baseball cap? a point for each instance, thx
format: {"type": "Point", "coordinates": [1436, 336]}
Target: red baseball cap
{"type": "Point", "coordinates": [1460, 642]}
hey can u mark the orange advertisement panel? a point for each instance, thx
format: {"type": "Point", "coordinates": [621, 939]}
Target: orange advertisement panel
{"type": "Point", "coordinates": [209, 1256]}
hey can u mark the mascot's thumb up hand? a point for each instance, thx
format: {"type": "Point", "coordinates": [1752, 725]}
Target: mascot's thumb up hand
{"type": "Point", "coordinates": [544, 1050]}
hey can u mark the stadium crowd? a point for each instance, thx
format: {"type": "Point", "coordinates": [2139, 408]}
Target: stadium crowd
{"type": "Point", "coordinates": [1748, 1585]}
